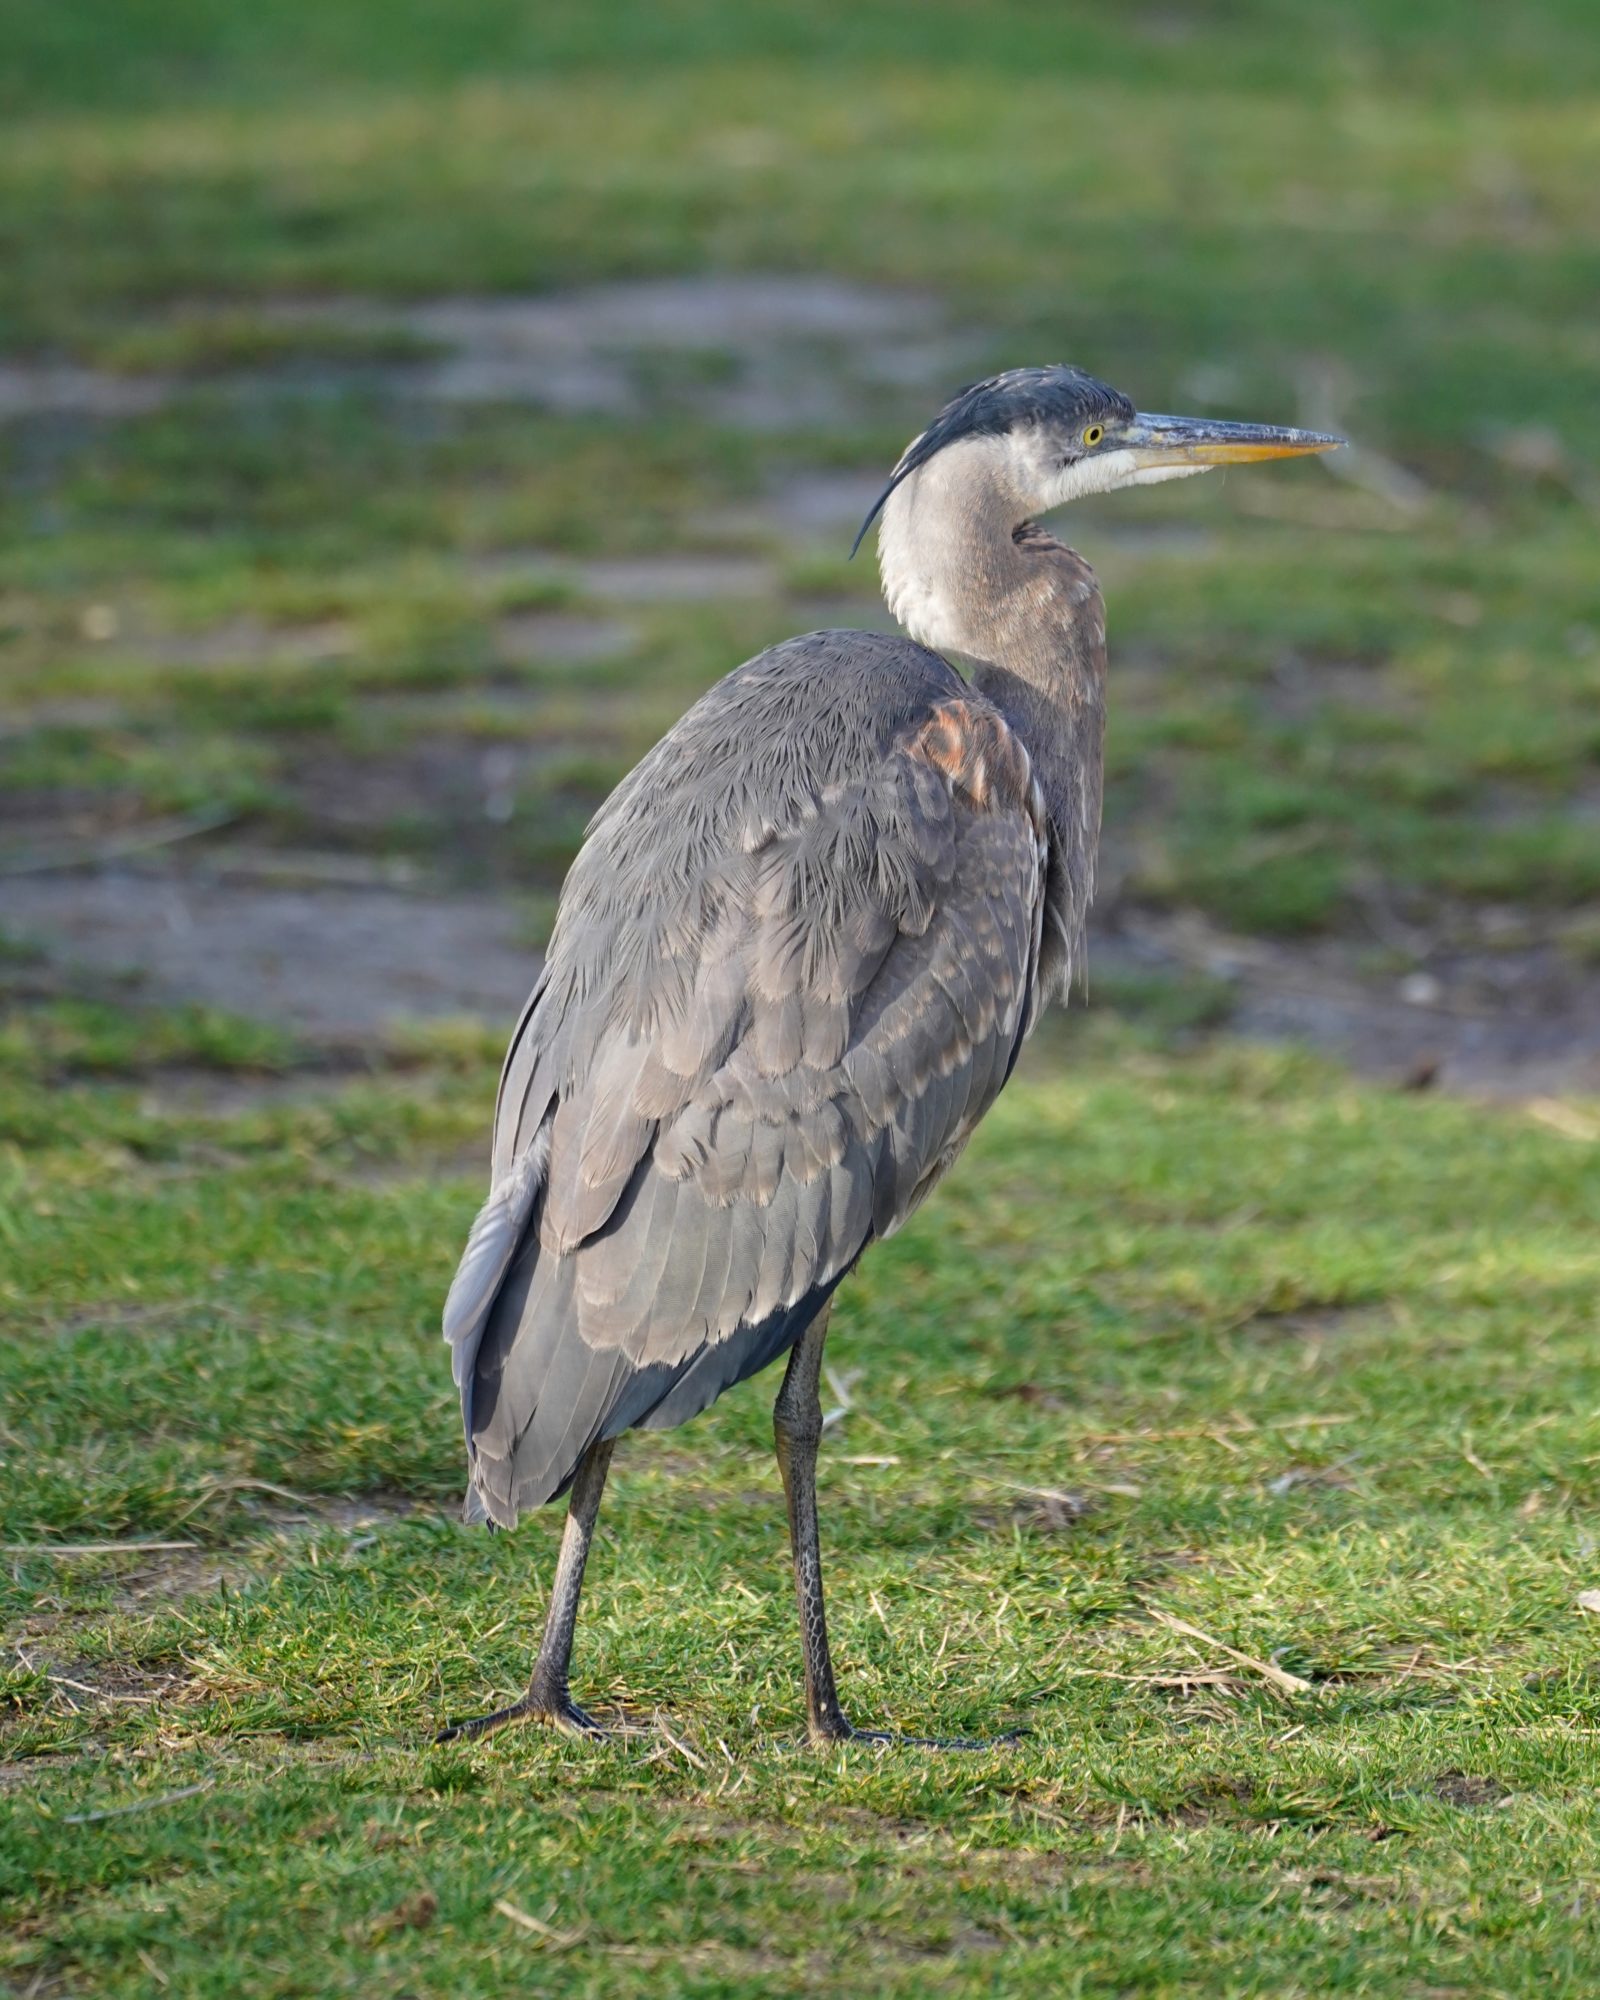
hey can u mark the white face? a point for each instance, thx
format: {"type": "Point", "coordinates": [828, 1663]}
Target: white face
{"type": "Point", "coordinates": [1042, 482]}
{"type": "Point", "coordinates": [984, 486]}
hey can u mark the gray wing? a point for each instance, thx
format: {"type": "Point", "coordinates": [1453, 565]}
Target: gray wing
{"type": "Point", "coordinates": [773, 1039]}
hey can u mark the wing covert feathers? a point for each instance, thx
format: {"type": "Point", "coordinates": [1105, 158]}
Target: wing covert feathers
{"type": "Point", "coordinates": [791, 971]}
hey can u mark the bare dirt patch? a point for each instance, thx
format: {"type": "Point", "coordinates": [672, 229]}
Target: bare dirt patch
{"type": "Point", "coordinates": [527, 638]}
{"type": "Point", "coordinates": [80, 712]}
{"type": "Point", "coordinates": [64, 1642]}
{"type": "Point", "coordinates": [675, 578]}
{"type": "Point", "coordinates": [773, 343]}
{"type": "Point", "coordinates": [337, 963]}
{"type": "Point", "coordinates": [80, 1683]}
{"type": "Point", "coordinates": [826, 613]}
{"type": "Point", "coordinates": [1468, 1793]}
{"type": "Point", "coordinates": [1503, 1023]}
{"type": "Point", "coordinates": [48, 389]}
{"type": "Point", "coordinates": [802, 507]}
{"type": "Point", "coordinates": [1039, 1510]}
{"type": "Point", "coordinates": [249, 642]}
{"type": "Point", "coordinates": [437, 777]}
{"type": "Point", "coordinates": [769, 352]}
{"type": "Point", "coordinates": [1317, 1323]}
{"type": "Point", "coordinates": [343, 950]}
{"type": "Point", "coordinates": [188, 1090]}
{"type": "Point", "coordinates": [354, 1513]}
{"type": "Point", "coordinates": [1300, 690]}
{"type": "Point", "coordinates": [140, 1580]}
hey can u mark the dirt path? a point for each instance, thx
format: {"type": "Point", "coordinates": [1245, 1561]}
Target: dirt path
{"type": "Point", "coordinates": [342, 963]}
{"type": "Point", "coordinates": [1519, 1023]}
{"type": "Point", "coordinates": [334, 963]}
{"type": "Point", "coordinates": [766, 352]}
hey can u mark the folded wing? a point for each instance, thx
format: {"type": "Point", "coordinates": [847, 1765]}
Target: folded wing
{"type": "Point", "coordinates": [769, 1064]}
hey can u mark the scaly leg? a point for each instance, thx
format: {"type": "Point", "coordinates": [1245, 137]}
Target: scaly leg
{"type": "Point", "coordinates": [548, 1697]}
{"type": "Point", "coordinates": [797, 1430]}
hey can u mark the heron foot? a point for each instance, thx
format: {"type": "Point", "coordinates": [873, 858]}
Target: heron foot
{"type": "Point", "coordinates": [560, 1712]}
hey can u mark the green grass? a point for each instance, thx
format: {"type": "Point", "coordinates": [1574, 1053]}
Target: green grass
{"type": "Point", "coordinates": [101, 55]}
{"type": "Point", "coordinates": [1313, 1363]}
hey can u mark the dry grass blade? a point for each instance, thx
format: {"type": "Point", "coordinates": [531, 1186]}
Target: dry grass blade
{"type": "Point", "coordinates": [1218, 1677]}
{"type": "Point", "coordinates": [547, 1935]}
{"type": "Point", "coordinates": [92, 1548]}
{"type": "Point", "coordinates": [1565, 1119]}
{"type": "Point", "coordinates": [103, 1694]}
{"type": "Point", "coordinates": [1240, 1427]}
{"type": "Point", "coordinates": [221, 1489]}
{"type": "Point", "coordinates": [841, 1386]}
{"type": "Point", "coordinates": [1278, 1676]}
{"type": "Point", "coordinates": [138, 1805]}
{"type": "Point", "coordinates": [689, 1756]}
{"type": "Point", "coordinates": [165, 833]}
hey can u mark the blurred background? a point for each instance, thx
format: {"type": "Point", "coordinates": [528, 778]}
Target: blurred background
{"type": "Point", "coordinates": [406, 410]}
{"type": "Point", "coordinates": [407, 407]}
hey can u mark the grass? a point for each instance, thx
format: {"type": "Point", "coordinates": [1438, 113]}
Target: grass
{"type": "Point", "coordinates": [1144, 1360]}
{"type": "Point", "coordinates": [1196, 1332]}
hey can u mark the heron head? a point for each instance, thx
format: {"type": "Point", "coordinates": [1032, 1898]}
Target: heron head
{"type": "Point", "coordinates": [1050, 435]}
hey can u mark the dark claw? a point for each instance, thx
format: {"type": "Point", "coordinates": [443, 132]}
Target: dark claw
{"type": "Point", "coordinates": [563, 1714]}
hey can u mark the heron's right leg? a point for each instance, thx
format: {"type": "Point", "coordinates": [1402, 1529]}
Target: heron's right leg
{"type": "Point", "coordinates": [548, 1697]}
{"type": "Point", "coordinates": [797, 1429]}
{"type": "Point", "coordinates": [797, 1432]}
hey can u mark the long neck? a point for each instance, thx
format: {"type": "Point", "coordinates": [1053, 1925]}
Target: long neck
{"type": "Point", "coordinates": [966, 573]}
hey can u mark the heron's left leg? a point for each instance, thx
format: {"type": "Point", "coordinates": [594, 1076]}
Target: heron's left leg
{"type": "Point", "coordinates": [548, 1698]}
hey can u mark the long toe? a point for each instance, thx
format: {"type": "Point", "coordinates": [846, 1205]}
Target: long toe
{"type": "Point", "coordinates": [482, 1725]}
{"type": "Point", "coordinates": [572, 1720]}
{"type": "Point", "coordinates": [564, 1715]}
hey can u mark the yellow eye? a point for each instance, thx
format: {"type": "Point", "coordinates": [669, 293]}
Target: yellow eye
{"type": "Point", "coordinates": [1094, 434]}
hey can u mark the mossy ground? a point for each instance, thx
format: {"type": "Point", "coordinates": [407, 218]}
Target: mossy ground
{"type": "Point", "coordinates": [1215, 1336]}
{"type": "Point", "coordinates": [1197, 1332]}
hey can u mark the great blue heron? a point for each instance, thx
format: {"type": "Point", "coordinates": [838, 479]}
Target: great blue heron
{"type": "Point", "coordinates": [793, 966]}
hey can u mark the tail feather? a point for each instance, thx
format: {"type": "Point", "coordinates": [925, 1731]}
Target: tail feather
{"type": "Point", "coordinates": [493, 1243]}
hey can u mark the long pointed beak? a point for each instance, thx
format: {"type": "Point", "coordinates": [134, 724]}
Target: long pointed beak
{"type": "Point", "coordinates": [1163, 441]}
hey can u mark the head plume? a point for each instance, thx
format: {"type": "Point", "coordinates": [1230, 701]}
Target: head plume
{"type": "Point", "coordinates": [1019, 398]}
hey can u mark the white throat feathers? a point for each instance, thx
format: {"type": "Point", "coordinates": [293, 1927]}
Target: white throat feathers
{"type": "Point", "coordinates": [945, 548]}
